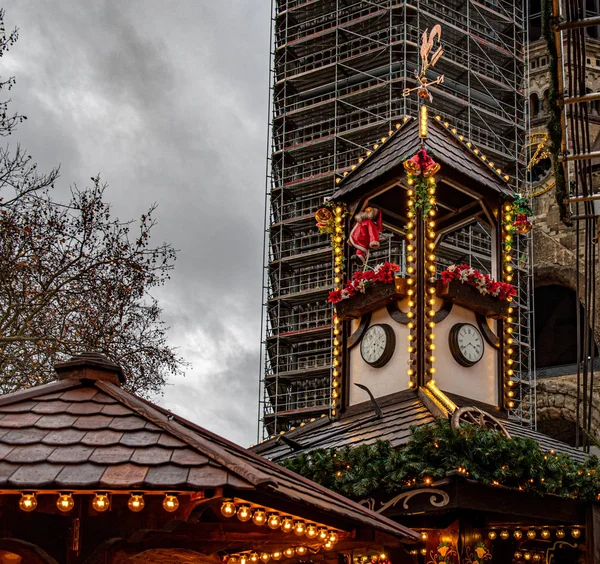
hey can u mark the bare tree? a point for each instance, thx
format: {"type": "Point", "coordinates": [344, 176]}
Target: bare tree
{"type": "Point", "coordinates": [74, 278]}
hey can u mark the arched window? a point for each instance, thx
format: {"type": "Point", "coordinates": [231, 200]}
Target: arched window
{"type": "Point", "coordinates": [534, 105]}
{"type": "Point", "coordinates": [556, 330]}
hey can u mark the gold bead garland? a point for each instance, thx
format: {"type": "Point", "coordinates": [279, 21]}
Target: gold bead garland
{"type": "Point", "coordinates": [337, 244]}
{"type": "Point", "coordinates": [507, 275]}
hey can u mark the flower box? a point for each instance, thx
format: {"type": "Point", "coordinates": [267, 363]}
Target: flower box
{"type": "Point", "coordinates": [469, 297]}
{"type": "Point", "coordinates": [376, 296]}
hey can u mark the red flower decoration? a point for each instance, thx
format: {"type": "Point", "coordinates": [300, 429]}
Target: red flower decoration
{"type": "Point", "coordinates": [484, 283]}
{"type": "Point", "coordinates": [382, 273]}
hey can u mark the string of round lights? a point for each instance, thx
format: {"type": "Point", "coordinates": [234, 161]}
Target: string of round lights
{"type": "Point", "coordinates": [101, 502]}
{"type": "Point", "coordinates": [337, 243]}
{"type": "Point", "coordinates": [507, 274]}
{"type": "Point", "coordinates": [287, 523]}
{"type": "Point", "coordinates": [531, 533]}
{"type": "Point", "coordinates": [411, 280]}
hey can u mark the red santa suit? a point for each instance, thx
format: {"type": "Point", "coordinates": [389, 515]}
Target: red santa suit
{"type": "Point", "coordinates": [365, 233]}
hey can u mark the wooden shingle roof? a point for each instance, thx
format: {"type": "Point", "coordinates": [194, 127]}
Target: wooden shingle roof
{"type": "Point", "coordinates": [400, 411]}
{"type": "Point", "coordinates": [85, 433]}
{"type": "Point", "coordinates": [441, 142]}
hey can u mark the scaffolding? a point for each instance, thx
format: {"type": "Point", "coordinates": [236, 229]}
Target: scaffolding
{"type": "Point", "coordinates": [337, 73]}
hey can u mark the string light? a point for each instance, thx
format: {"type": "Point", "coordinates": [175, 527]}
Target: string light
{"type": "Point", "coordinates": [244, 513]}
{"type": "Point", "coordinates": [228, 509]}
{"type": "Point", "coordinates": [170, 503]}
{"type": "Point", "coordinates": [287, 525]}
{"type": "Point", "coordinates": [136, 502]}
{"type": "Point", "coordinates": [259, 517]}
{"type": "Point", "coordinates": [299, 528]}
{"type": "Point", "coordinates": [492, 535]}
{"type": "Point", "coordinates": [101, 502]}
{"type": "Point", "coordinates": [576, 533]}
{"type": "Point", "coordinates": [65, 502]}
{"type": "Point", "coordinates": [28, 502]}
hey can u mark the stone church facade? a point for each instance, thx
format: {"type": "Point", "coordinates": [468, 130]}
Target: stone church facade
{"type": "Point", "coordinates": [555, 278]}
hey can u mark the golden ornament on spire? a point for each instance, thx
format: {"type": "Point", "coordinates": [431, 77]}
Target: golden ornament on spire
{"type": "Point", "coordinates": [428, 60]}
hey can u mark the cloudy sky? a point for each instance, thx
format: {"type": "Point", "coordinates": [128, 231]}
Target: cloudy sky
{"type": "Point", "coordinates": [167, 100]}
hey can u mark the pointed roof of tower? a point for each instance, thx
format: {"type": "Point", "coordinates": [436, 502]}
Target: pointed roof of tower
{"type": "Point", "coordinates": [443, 142]}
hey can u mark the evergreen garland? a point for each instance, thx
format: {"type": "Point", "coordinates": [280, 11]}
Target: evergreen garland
{"type": "Point", "coordinates": [553, 124]}
{"type": "Point", "coordinates": [436, 450]}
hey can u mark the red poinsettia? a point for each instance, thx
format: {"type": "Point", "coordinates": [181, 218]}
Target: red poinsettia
{"type": "Point", "coordinates": [484, 283]}
{"type": "Point", "coordinates": [361, 280]}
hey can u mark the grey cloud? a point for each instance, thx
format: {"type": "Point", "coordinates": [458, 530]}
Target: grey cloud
{"type": "Point", "coordinates": [168, 101]}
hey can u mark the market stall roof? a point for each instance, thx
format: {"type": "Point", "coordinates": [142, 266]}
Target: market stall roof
{"type": "Point", "coordinates": [444, 143]}
{"type": "Point", "coordinates": [399, 412]}
{"type": "Point", "coordinates": [85, 433]}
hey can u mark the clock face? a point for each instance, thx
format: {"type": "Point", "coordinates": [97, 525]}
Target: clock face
{"type": "Point", "coordinates": [377, 345]}
{"type": "Point", "coordinates": [466, 344]}
{"type": "Point", "coordinates": [539, 164]}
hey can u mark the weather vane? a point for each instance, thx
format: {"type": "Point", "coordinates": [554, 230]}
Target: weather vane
{"type": "Point", "coordinates": [428, 59]}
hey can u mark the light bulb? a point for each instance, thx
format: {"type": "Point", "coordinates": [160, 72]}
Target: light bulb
{"type": "Point", "coordinates": [530, 534]}
{"type": "Point", "coordinates": [244, 513]}
{"type": "Point", "coordinates": [244, 559]}
{"type": "Point", "coordinates": [424, 535]}
{"type": "Point", "coordinates": [328, 545]}
{"type": "Point", "coordinates": [311, 531]}
{"type": "Point", "coordinates": [100, 502]}
{"type": "Point", "coordinates": [273, 521]}
{"type": "Point", "coordinates": [333, 537]}
{"type": "Point", "coordinates": [170, 503]}
{"type": "Point", "coordinates": [259, 517]}
{"type": "Point", "coordinates": [276, 555]}
{"type": "Point", "coordinates": [492, 535]}
{"type": "Point", "coordinates": [254, 558]}
{"type": "Point", "coordinates": [28, 502]}
{"type": "Point", "coordinates": [136, 502]}
{"type": "Point", "coordinates": [265, 557]}
{"type": "Point", "coordinates": [301, 550]}
{"type": "Point", "coordinates": [65, 502]}
{"type": "Point", "coordinates": [323, 534]}
{"type": "Point", "coordinates": [545, 534]}
{"type": "Point", "coordinates": [576, 533]}
{"type": "Point", "coordinates": [504, 534]}
{"type": "Point", "coordinates": [289, 552]}
{"type": "Point", "coordinates": [560, 533]}
{"type": "Point", "coordinates": [228, 509]}
{"type": "Point", "coordinates": [287, 525]}
{"type": "Point", "coordinates": [518, 534]}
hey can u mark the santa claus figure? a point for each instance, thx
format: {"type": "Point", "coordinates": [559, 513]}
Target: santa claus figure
{"type": "Point", "coordinates": [365, 233]}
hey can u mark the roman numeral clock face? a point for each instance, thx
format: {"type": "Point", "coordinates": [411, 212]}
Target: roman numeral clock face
{"type": "Point", "coordinates": [466, 344]}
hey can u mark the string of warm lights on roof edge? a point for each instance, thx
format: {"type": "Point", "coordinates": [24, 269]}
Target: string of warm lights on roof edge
{"type": "Point", "coordinates": [460, 137]}
{"type": "Point", "coordinates": [101, 501]}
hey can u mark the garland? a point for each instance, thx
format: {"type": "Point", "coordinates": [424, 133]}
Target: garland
{"type": "Point", "coordinates": [483, 283]}
{"type": "Point", "coordinates": [519, 206]}
{"type": "Point", "coordinates": [361, 280]}
{"type": "Point", "coordinates": [435, 450]}
{"type": "Point", "coordinates": [553, 124]}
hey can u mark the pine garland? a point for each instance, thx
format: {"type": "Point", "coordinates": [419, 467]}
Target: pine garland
{"type": "Point", "coordinates": [436, 450]}
{"type": "Point", "coordinates": [553, 124]}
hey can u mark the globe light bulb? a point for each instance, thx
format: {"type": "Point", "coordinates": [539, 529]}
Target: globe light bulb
{"type": "Point", "coordinates": [65, 502]}
{"type": "Point", "coordinates": [560, 533]}
{"type": "Point", "coordinates": [101, 502]}
{"type": "Point", "coordinates": [273, 521]}
{"type": "Point", "coordinates": [518, 534]}
{"type": "Point", "coordinates": [287, 525]}
{"type": "Point", "coordinates": [228, 509]}
{"type": "Point", "coordinates": [265, 557]}
{"type": "Point", "coordinates": [323, 534]}
{"type": "Point", "coordinates": [492, 535]}
{"type": "Point", "coordinates": [333, 537]}
{"type": "Point", "coordinates": [576, 533]}
{"type": "Point", "coordinates": [504, 535]}
{"type": "Point", "coordinates": [259, 517]}
{"type": "Point", "coordinates": [254, 558]}
{"type": "Point", "coordinates": [276, 555]}
{"type": "Point", "coordinates": [530, 534]}
{"type": "Point", "coordinates": [545, 534]}
{"type": "Point", "coordinates": [244, 513]}
{"type": "Point", "coordinates": [301, 550]}
{"type": "Point", "coordinates": [136, 503]}
{"type": "Point", "coordinates": [289, 552]}
{"type": "Point", "coordinates": [170, 503]}
{"type": "Point", "coordinates": [28, 502]}
{"type": "Point", "coordinates": [311, 531]}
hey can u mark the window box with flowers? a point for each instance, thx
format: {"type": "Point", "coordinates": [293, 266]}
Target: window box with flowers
{"type": "Point", "coordinates": [469, 288]}
{"type": "Point", "coordinates": [368, 290]}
